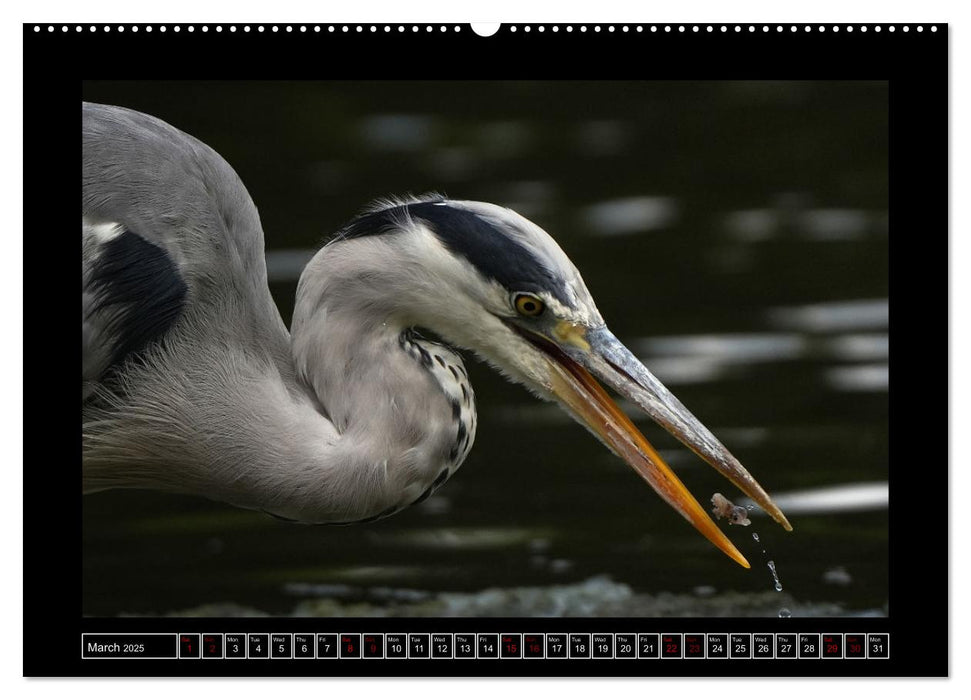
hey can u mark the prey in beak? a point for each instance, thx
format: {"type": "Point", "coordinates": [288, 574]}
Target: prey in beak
{"type": "Point", "coordinates": [576, 355]}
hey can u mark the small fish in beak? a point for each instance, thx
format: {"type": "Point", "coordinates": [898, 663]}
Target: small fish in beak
{"type": "Point", "coordinates": [576, 354]}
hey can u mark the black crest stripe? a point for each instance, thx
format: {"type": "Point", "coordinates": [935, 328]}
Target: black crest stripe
{"type": "Point", "coordinates": [488, 248]}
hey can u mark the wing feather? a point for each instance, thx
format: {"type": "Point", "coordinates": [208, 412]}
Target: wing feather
{"type": "Point", "coordinates": [133, 294]}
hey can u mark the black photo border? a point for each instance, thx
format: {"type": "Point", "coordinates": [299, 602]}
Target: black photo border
{"type": "Point", "coordinates": [913, 58]}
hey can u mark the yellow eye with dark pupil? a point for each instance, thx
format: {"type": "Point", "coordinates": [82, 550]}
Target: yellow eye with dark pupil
{"type": "Point", "coordinates": [529, 305]}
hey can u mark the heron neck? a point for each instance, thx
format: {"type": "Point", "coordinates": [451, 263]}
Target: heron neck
{"type": "Point", "coordinates": [400, 432]}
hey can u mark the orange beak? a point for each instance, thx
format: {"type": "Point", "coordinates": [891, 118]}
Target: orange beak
{"type": "Point", "coordinates": [586, 400]}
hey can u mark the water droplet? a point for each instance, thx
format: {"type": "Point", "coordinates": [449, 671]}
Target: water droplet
{"type": "Point", "coordinates": [755, 536]}
{"type": "Point", "coordinates": [775, 575]}
{"type": "Point", "coordinates": [785, 612]}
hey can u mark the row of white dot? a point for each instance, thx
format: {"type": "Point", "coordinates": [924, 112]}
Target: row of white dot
{"type": "Point", "coordinates": [429, 28]}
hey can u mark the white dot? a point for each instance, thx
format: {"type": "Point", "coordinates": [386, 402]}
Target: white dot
{"type": "Point", "coordinates": [878, 28]}
{"type": "Point", "coordinates": [512, 29]}
{"type": "Point", "coordinates": [176, 29]}
{"type": "Point", "coordinates": [893, 28]}
{"type": "Point", "coordinates": [543, 29]}
{"type": "Point", "coordinates": [386, 28]}
{"type": "Point", "coordinates": [906, 28]}
{"type": "Point", "coordinates": [610, 29]}
{"type": "Point", "coordinates": [849, 29]}
{"type": "Point", "coordinates": [246, 28]}
{"type": "Point", "coordinates": [667, 27]}
{"type": "Point", "coordinates": [792, 28]}
{"type": "Point", "coordinates": [260, 28]}
{"type": "Point", "coordinates": [694, 28]}
{"type": "Point", "coordinates": [765, 28]}
{"type": "Point", "coordinates": [737, 28]}
{"type": "Point", "coordinates": [933, 29]}
{"type": "Point", "coordinates": [93, 28]}
{"type": "Point", "coordinates": [681, 28]}
{"type": "Point", "coordinates": [836, 29]}
{"type": "Point", "coordinates": [569, 29]}
{"type": "Point", "coordinates": [64, 28]}
{"type": "Point", "coordinates": [120, 29]}
{"type": "Point", "coordinates": [37, 29]}
{"type": "Point", "coordinates": [920, 29]}
{"type": "Point", "coordinates": [458, 28]}
{"type": "Point", "coordinates": [709, 28]}
{"type": "Point", "coordinates": [863, 28]}
{"type": "Point", "coordinates": [779, 28]}
{"type": "Point", "coordinates": [626, 29]}
{"type": "Point", "coordinates": [77, 28]}
{"type": "Point", "coordinates": [555, 28]}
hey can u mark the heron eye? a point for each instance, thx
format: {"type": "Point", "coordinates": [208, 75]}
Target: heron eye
{"type": "Point", "coordinates": [528, 305]}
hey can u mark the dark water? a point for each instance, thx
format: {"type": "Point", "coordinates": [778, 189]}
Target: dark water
{"type": "Point", "coordinates": [734, 236]}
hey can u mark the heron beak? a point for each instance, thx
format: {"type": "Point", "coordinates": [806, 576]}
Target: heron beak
{"type": "Point", "coordinates": [577, 352]}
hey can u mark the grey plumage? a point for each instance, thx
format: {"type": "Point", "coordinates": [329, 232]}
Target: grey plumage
{"type": "Point", "coordinates": [192, 383]}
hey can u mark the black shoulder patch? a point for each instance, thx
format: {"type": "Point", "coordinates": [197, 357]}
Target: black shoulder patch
{"type": "Point", "coordinates": [139, 290]}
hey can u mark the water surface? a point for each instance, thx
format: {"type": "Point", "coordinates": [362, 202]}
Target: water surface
{"type": "Point", "coordinates": [734, 236]}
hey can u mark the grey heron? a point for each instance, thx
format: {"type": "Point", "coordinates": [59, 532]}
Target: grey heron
{"type": "Point", "coordinates": [193, 384]}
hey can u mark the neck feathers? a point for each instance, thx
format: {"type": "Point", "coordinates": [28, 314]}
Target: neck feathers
{"type": "Point", "coordinates": [402, 405]}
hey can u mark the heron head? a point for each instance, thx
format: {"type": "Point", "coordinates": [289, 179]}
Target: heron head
{"type": "Point", "coordinates": [487, 279]}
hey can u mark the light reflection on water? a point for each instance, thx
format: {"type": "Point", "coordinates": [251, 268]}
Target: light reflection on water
{"type": "Point", "coordinates": [734, 236]}
{"type": "Point", "coordinates": [397, 132]}
{"type": "Point", "coordinates": [628, 216]}
{"type": "Point", "coordinates": [744, 348]}
{"type": "Point", "coordinates": [860, 377]}
{"type": "Point", "coordinates": [834, 316]}
{"type": "Point", "coordinates": [832, 499]}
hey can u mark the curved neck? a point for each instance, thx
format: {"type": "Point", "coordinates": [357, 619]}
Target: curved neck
{"type": "Point", "coordinates": [401, 407]}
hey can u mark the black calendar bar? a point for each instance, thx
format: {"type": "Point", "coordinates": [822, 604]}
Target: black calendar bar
{"type": "Point", "coordinates": [643, 646]}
